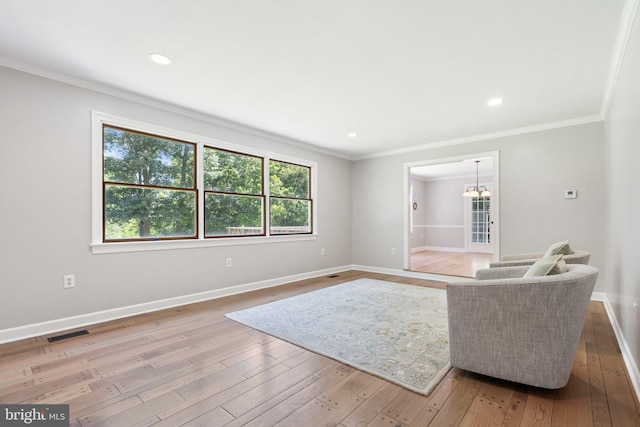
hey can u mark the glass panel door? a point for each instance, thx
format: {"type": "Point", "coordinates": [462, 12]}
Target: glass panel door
{"type": "Point", "coordinates": [481, 220]}
{"type": "Point", "coordinates": [479, 225]}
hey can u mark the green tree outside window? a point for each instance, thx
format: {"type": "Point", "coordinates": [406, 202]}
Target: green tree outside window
{"type": "Point", "coordinates": [234, 200]}
{"type": "Point", "coordinates": [150, 190]}
{"type": "Point", "coordinates": [290, 200]}
{"type": "Point", "coordinates": [149, 186]}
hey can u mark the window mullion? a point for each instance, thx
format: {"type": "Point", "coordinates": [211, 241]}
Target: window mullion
{"type": "Point", "coordinates": [200, 188]}
{"type": "Point", "coordinates": [267, 196]}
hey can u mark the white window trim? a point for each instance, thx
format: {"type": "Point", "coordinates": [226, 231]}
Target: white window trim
{"type": "Point", "coordinates": [99, 119]}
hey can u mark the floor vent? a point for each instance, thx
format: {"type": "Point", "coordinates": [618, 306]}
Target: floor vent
{"type": "Point", "coordinates": [333, 276]}
{"type": "Point", "coordinates": [69, 335]}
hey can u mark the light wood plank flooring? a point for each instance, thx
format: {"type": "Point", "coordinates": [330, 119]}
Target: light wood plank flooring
{"type": "Point", "coordinates": [190, 366]}
{"type": "Point", "coordinates": [450, 263]}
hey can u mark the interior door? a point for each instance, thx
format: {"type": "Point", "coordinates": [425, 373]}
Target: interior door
{"type": "Point", "coordinates": [480, 224]}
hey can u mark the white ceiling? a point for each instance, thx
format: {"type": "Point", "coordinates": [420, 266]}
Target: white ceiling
{"type": "Point", "coordinates": [399, 73]}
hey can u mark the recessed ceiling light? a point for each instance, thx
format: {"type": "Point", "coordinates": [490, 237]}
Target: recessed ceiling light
{"type": "Point", "coordinates": [352, 134]}
{"type": "Point", "coordinates": [494, 102]}
{"type": "Point", "coordinates": [159, 58]}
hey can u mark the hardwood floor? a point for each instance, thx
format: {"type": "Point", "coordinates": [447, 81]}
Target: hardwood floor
{"type": "Point", "coordinates": [191, 366]}
{"type": "Point", "coordinates": [450, 263]}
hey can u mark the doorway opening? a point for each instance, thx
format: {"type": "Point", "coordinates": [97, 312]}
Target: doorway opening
{"type": "Point", "coordinates": [446, 233]}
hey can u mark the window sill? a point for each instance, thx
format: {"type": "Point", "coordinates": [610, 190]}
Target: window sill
{"type": "Point", "coordinates": [120, 247]}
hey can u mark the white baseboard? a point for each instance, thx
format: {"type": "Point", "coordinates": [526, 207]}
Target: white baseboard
{"type": "Point", "coordinates": [630, 363]}
{"type": "Point", "coordinates": [413, 274]}
{"type": "Point", "coordinates": [438, 248]}
{"type": "Point", "coordinates": [81, 321]}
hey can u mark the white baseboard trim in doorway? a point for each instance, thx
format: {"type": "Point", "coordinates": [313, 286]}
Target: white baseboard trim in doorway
{"type": "Point", "coordinates": [413, 274]}
{"type": "Point", "coordinates": [438, 249]}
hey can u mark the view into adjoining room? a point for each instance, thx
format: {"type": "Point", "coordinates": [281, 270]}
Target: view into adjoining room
{"type": "Point", "coordinates": [449, 263]}
{"type": "Point", "coordinates": [451, 233]}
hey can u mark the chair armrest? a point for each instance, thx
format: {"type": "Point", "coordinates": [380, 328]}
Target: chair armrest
{"type": "Point", "coordinates": [517, 259]}
{"type": "Point", "coordinates": [523, 256]}
{"type": "Point", "coordinates": [578, 257]}
{"type": "Point", "coordinates": [513, 263]}
{"type": "Point", "coordinates": [501, 273]}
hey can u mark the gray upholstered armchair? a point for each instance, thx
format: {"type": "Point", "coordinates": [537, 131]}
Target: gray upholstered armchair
{"type": "Point", "coordinates": [576, 257]}
{"type": "Point", "coordinates": [521, 329]}
{"type": "Point", "coordinates": [563, 248]}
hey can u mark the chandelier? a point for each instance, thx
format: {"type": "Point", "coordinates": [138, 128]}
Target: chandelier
{"type": "Point", "coordinates": [477, 190]}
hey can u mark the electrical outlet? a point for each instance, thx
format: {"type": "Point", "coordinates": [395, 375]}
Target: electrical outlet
{"type": "Point", "coordinates": [322, 251]}
{"type": "Point", "coordinates": [69, 281]}
{"type": "Point", "coordinates": [393, 251]}
{"type": "Point", "coordinates": [229, 262]}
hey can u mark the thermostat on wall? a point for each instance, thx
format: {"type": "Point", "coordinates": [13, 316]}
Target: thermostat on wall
{"type": "Point", "coordinates": [570, 194]}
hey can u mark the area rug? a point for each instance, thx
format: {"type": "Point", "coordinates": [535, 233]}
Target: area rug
{"type": "Point", "coordinates": [395, 331]}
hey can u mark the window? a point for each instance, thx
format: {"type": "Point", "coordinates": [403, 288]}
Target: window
{"type": "Point", "coordinates": [149, 187]}
{"type": "Point", "coordinates": [234, 200]}
{"type": "Point", "coordinates": [156, 188]}
{"type": "Point", "coordinates": [290, 200]}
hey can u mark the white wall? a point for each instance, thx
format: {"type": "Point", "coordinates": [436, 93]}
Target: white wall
{"type": "Point", "coordinates": [535, 169]}
{"type": "Point", "coordinates": [445, 213]}
{"type": "Point", "coordinates": [416, 238]}
{"type": "Point", "coordinates": [45, 211]}
{"type": "Point", "coordinates": [439, 222]}
{"type": "Point", "coordinates": [622, 138]}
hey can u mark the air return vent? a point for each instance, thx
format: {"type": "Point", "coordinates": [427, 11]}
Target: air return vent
{"type": "Point", "coordinates": [69, 335]}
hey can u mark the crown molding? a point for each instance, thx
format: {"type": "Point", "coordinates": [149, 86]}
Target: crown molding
{"type": "Point", "coordinates": [624, 32]}
{"type": "Point", "coordinates": [161, 105]}
{"type": "Point", "coordinates": [484, 137]}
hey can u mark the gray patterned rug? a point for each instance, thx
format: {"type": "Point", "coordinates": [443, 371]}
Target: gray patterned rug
{"type": "Point", "coordinates": [395, 331]}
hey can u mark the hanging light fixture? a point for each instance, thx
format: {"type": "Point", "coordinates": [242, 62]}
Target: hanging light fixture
{"type": "Point", "coordinates": [478, 190]}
